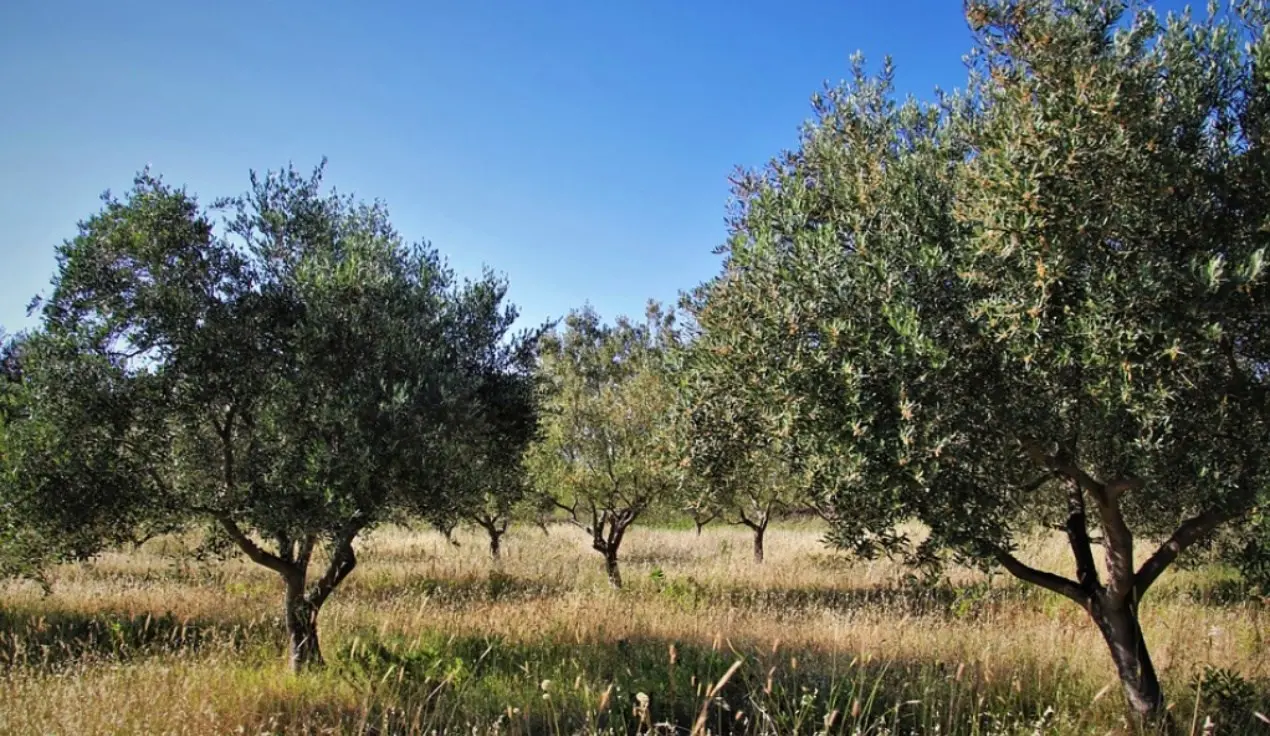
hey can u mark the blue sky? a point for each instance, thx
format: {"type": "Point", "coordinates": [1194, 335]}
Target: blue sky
{"type": "Point", "coordinates": [580, 147]}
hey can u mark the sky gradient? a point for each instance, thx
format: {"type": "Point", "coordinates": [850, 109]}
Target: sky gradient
{"type": "Point", "coordinates": [580, 148]}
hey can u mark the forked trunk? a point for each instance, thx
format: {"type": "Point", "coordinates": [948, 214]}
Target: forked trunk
{"type": "Point", "coordinates": [1120, 629]}
{"type": "Point", "coordinates": [610, 566]}
{"type": "Point", "coordinates": [302, 631]}
{"type": "Point", "coordinates": [495, 545]}
{"type": "Point", "coordinates": [292, 564]}
{"type": "Point", "coordinates": [759, 533]}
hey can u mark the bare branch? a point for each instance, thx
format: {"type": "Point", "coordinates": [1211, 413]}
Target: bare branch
{"type": "Point", "coordinates": [572, 511]}
{"type": "Point", "coordinates": [1119, 539]}
{"type": "Point", "coordinates": [343, 560]}
{"type": "Point", "coordinates": [1189, 532]}
{"type": "Point", "coordinates": [1114, 489]}
{"type": "Point", "coordinates": [1047, 580]}
{"type": "Point", "coordinates": [1077, 529]}
{"type": "Point", "coordinates": [257, 554]}
{"type": "Point", "coordinates": [1078, 474]}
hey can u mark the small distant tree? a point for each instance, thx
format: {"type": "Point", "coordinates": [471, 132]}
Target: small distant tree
{"type": "Point", "coordinates": [603, 455]}
{"type": "Point", "coordinates": [1041, 302]}
{"type": "Point", "coordinates": [732, 463]}
{"type": "Point", "coordinates": [701, 508]}
{"type": "Point", "coordinates": [295, 379]}
{"type": "Point", "coordinates": [495, 468]}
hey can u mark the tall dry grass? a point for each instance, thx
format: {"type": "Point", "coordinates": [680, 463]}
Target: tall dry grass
{"type": "Point", "coordinates": [426, 636]}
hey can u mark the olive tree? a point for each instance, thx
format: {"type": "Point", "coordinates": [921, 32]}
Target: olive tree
{"type": "Point", "coordinates": [1039, 302]}
{"type": "Point", "coordinates": [293, 377]}
{"type": "Point", "coordinates": [493, 466]}
{"type": "Point", "coordinates": [734, 462]}
{"type": "Point", "coordinates": [603, 455]}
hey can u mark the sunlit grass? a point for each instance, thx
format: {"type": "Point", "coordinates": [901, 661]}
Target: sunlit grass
{"type": "Point", "coordinates": [426, 636]}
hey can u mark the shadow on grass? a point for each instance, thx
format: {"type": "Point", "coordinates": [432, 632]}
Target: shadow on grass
{"type": "Point", "coordinates": [431, 682]}
{"type": "Point", "coordinates": [456, 591]}
{"type": "Point", "coordinates": [454, 684]}
{"type": "Point", "coordinates": [48, 640]}
{"type": "Point", "coordinates": [912, 598]}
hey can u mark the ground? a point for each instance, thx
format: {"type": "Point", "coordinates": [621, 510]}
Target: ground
{"type": "Point", "coordinates": [427, 637]}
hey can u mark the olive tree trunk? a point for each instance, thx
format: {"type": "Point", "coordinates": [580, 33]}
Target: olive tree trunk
{"type": "Point", "coordinates": [758, 524]}
{"type": "Point", "coordinates": [495, 528]}
{"type": "Point", "coordinates": [1120, 629]}
{"type": "Point", "coordinates": [303, 601]}
{"type": "Point", "coordinates": [607, 527]}
{"type": "Point", "coordinates": [606, 538]}
{"type": "Point", "coordinates": [1113, 606]}
{"type": "Point", "coordinates": [612, 569]}
{"type": "Point", "coordinates": [302, 629]}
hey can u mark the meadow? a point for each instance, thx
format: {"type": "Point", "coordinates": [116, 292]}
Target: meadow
{"type": "Point", "coordinates": [427, 637]}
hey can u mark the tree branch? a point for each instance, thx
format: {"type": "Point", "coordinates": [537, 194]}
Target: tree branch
{"type": "Point", "coordinates": [257, 554]}
{"type": "Point", "coordinates": [1119, 539]}
{"type": "Point", "coordinates": [306, 552]}
{"type": "Point", "coordinates": [1077, 529]}
{"type": "Point", "coordinates": [1189, 532]}
{"type": "Point", "coordinates": [1047, 580]}
{"type": "Point", "coordinates": [573, 514]}
{"type": "Point", "coordinates": [343, 560]}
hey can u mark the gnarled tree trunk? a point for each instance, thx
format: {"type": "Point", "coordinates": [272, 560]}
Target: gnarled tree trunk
{"type": "Point", "coordinates": [1113, 606]}
{"type": "Point", "coordinates": [606, 538]}
{"type": "Point", "coordinates": [495, 529]}
{"type": "Point", "coordinates": [1120, 629]}
{"type": "Point", "coordinates": [302, 601]}
{"type": "Point", "coordinates": [612, 569]}
{"type": "Point", "coordinates": [302, 631]}
{"type": "Point", "coordinates": [758, 524]}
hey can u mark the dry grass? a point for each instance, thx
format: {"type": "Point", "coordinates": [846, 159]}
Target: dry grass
{"type": "Point", "coordinates": [426, 636]}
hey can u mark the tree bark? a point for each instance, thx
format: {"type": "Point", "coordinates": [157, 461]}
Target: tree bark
{"type": "Point", "coordinates": [1120, 629]}
{"type": "Point", "coordinates": [495, 532]}
{"type": "Point", "coordinates": [611, 567]}
{"type": "Point", "coordinates": [607, 541]}
{"type": "Point", "coordinates": [302, 631]}
{"type": "Point", "coordinates": [758, 525]}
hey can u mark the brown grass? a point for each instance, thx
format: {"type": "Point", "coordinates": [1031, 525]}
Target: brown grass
{"type": "Point", "coordinates": [196, 647]}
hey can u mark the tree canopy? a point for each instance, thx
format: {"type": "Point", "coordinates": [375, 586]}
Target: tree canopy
{"type": "Point", "coordinates": [66, 490]}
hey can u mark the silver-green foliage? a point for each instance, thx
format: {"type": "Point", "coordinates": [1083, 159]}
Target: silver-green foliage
{"type": "Point", "coordinates": [294, 377]}
{"type": "Point", "coordinates": [1042, 294]}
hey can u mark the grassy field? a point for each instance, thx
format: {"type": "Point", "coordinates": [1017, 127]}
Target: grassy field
{"type": "Point", "coordinates": [426, 637]}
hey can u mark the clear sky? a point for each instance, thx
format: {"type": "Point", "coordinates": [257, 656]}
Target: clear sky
{"type": "Point", "coordinates": [581, 147]}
